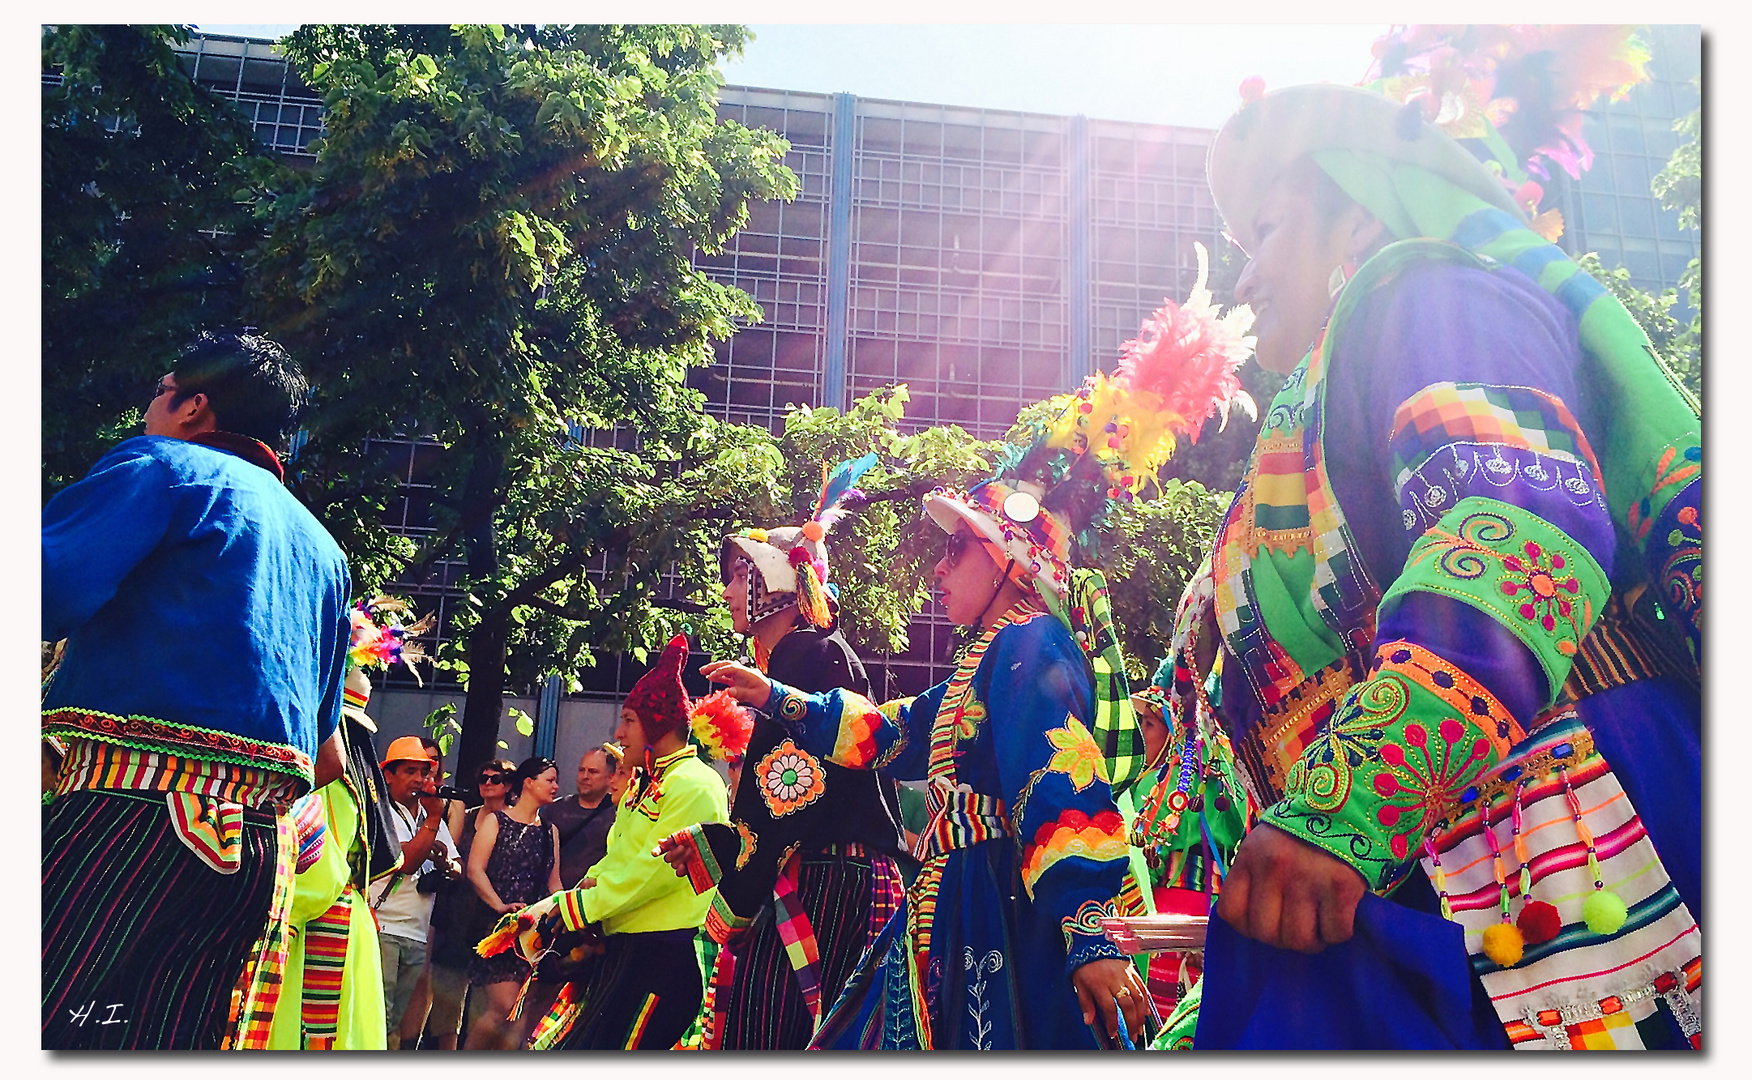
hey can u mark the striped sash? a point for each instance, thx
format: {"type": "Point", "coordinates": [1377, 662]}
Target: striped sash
{"type": "Point", "coordinates": [1580, 989]}
{"type": "Point", "coordinates": [325, 957]}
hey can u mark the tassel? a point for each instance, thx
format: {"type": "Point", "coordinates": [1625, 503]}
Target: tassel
{"type": "Point", "coordinates": [811, 594]}
{"type": "Point", "coordinates": [1604, 911]}
{"type": "Point", "coordinates": [504, 933]}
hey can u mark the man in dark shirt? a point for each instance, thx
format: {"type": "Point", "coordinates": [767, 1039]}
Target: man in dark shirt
{"type": "Point", "coordinates": [584, 819]}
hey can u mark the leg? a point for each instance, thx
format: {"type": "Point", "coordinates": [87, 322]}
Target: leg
{"type": "Point", "coordinates": [419, 1004]}
{"type": "Point", "coordinates": [449, 987]}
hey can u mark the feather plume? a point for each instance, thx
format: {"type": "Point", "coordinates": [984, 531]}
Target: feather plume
{"type": "Point", "coordinates": [1117, 430]}
{"type": "Point", "coordinates": [1532, 83]}
{"type": "Point", "coordinates": [722, 725]}
{"type": "Point", "coordinates": [837, 489]}
{"type": "Point", "coordinates": [380, 637]}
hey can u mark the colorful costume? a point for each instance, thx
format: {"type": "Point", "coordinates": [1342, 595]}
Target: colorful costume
{"type": "Point", "coordinates": [331, 993]}
{"type": "Point", "coordinates": [1459, 599]}
{"type": "Point", "coordinates": [647, 987]}
{"type": "Point", "coordinates": [205, 612]}
{"type": "Point", "coordinates": [803, 884]}
{"type": "Point", "coordinates": [1018, 794]}
{"type": "Point", "coordinates": [1025, 746]}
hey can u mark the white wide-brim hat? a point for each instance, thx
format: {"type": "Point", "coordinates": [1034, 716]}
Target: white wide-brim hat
{"type": "Point", "coordinates": [1265, 136]}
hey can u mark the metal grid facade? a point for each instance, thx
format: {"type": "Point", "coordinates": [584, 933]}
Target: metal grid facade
{"type": "Point", "coordinates": [1613, 212]}
{"type": "Point", "coordinates": [985, 258]}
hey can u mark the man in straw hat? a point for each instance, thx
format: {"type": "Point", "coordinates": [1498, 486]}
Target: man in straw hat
{"type": "Point", "coordinates": [1458, 595]}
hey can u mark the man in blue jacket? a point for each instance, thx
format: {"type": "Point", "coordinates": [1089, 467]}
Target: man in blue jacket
{"type": "Point", "coordinates": [205, 613]}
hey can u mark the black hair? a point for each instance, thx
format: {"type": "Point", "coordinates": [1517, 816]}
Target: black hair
{"type": "Point", "coordinates": [529, 770]}
{"type": "Point", "coordinates": [252, 384]}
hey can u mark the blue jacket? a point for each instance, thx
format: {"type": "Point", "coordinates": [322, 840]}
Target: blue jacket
{"type": "Point", "coordinates": [194, 590]}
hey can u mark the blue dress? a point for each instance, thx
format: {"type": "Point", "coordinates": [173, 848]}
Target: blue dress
{"type": "Point", "coordinates": [1025, 851]}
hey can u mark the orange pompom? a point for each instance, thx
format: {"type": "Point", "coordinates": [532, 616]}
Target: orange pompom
{"type": "Point", "coordinates": [812, 530]}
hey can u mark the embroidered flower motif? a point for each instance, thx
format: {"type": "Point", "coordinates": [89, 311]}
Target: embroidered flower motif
{"type": "Point", "coordinates": [790, 779]}
{"type": "Point", "coordinates": [1075, 754]}
{"type": "Point", "coordinates": [1435, 497]}
{"type": "Point", "coordinates": [1410, 520]}
{"type": "Point", "coordinates": [1420, 776]}
{"type": "Point", "coordinates": [1577, 485]}
{"type": "Point", "coordinates": [1537, 576]}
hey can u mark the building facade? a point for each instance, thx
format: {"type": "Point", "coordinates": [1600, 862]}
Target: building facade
{"type": "Point", "coordinates": [985, 258]}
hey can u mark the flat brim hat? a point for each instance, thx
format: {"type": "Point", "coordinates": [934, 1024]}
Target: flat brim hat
{"type": "Point", "coordinates": [770, 552]}
{"type": "Point", "coordinates": [355, 695]}
{"type": "Point", "coordinates": [1009, 516]}
{"type": "Point", "coordinates": [1267, 135]}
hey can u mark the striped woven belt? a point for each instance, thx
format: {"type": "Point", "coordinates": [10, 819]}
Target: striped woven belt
{"type": "Point", "coordinates": [99, 766]}
{"type": "Point", "coordinates": [959, 819]}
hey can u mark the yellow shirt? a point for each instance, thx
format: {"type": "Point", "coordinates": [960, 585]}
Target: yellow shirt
{"type": "Point", "coordinates": [636, 891]}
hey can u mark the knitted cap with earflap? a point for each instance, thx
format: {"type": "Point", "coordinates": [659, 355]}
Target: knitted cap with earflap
{"type": "Point", "coordinates": [658, 698]}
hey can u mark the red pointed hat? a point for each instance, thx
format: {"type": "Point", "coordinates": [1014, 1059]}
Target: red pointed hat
{"type": "Point", "coordinates": [658, 697]}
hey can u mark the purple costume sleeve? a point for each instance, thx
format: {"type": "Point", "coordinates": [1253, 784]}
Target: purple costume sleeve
{"type": "Point", "coordinates": [1453, 444]}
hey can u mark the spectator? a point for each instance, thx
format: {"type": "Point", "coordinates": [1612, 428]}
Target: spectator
{"type": "Point", "coordinates": [460, 918]}
{"type": "Point", "coordinates": [514, 861]}
{"type": "Point", "coordinates": [205, 612]}
{"type": "Point", "coordinates": [413, 1022]}
{"type": "Point", "coordinates": [404, 910]}
{"type": "Point", "coordinates": [584, 819]}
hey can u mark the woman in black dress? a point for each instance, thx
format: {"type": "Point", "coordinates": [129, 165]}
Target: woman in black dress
{"type": "Point", "coordinates": [514, 860]}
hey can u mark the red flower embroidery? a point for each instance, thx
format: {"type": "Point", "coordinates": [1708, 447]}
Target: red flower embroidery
{"type": "Point", "coordinates": [1419, 788]}
{"type": "Point", "coordinates": [1538, 577]}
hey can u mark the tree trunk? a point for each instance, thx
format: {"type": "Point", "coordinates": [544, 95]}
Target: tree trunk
{"type": "Point", "coordinates": [485, 701]}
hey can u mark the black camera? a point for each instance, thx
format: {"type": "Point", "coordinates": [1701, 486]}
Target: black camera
{"type": "Point", "coordinates": [431, 881]}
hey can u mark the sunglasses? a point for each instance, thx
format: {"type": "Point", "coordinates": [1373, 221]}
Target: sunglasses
{"type": "Point", "coordinates": [161, 389]}
{"type": "Point", "coordinates": [955, 547]}
{"type": "Point", "coordinates": [492, 778]}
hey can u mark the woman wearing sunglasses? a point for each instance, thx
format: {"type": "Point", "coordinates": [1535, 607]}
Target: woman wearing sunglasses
{"type": "Point", "coordinates": [460, 918]}
{"type": "Point", "coordinates": [514, 862]}
{"type": "Point", "coordinates": [999, 943]}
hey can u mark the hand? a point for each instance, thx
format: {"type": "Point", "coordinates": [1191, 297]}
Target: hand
{"type": "Point", "coordinates": [744, 683]}
{"type": "Point", "coordinates": [1289, 894]}
{"type": "Point", "coordinates": [430, 805]}
{"type": "Point", "coordinates": [678, 855]}
{"type": "Point", "coordinates": [509, 908]}
{"type": "Point", "coordinates": [1108, 988]}
{"type": "Point", "coordinates": [587, 883]}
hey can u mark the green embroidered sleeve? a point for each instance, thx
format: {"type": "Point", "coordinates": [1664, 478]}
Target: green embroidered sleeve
{"type": "Point", "coordinates": [1519, 569]}
{"type": "Point", "coordinates": [1408, 740]}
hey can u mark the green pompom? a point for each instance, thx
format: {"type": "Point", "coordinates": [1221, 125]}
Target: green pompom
{"type": "Point", "coordinates": [1604, 912]}
{"type": "Point", "coordinates": [1503, 944]}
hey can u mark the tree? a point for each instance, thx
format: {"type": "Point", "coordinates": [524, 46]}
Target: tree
{"type": "Point", "coordinates": [496, 239]}
{"type": "Point", "coordinates": [142, 235]}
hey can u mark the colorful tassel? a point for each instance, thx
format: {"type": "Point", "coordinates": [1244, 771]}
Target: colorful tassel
{"type": "Point", "coordinates": [811, 593]}
{"type": "Point", "coordinates": [1604, 911]}
{"type": "Point", "coordinates": [504, 933]}
{"type": "Point", "coordinates": [721, 725]}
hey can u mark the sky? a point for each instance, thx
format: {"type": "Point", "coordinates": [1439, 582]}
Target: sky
{"type": "Point", "coordinates": [1159, 74]}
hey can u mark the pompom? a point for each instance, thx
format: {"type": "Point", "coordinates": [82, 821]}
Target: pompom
{"type": "Point", "coordinates": [1503, 944]}
{"type": "Point", "coordinates": [797, 556]}
{"type": "Point", "coordinates": [1604, 911]}
{"type": "Point", "coordinates": [759, 536]}
{"type": "Point", "coordinates": [722, 725]}
{"type": "Point", "coordinates": [1539, 922]}
{"type": "Point", "coordinates": [1252, 89]}
{"type": "Point", "coordinates": [813, 530]}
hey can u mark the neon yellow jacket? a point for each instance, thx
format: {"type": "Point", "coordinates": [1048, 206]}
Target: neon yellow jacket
{"type": "Point", "coordinates": [636, 891]}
